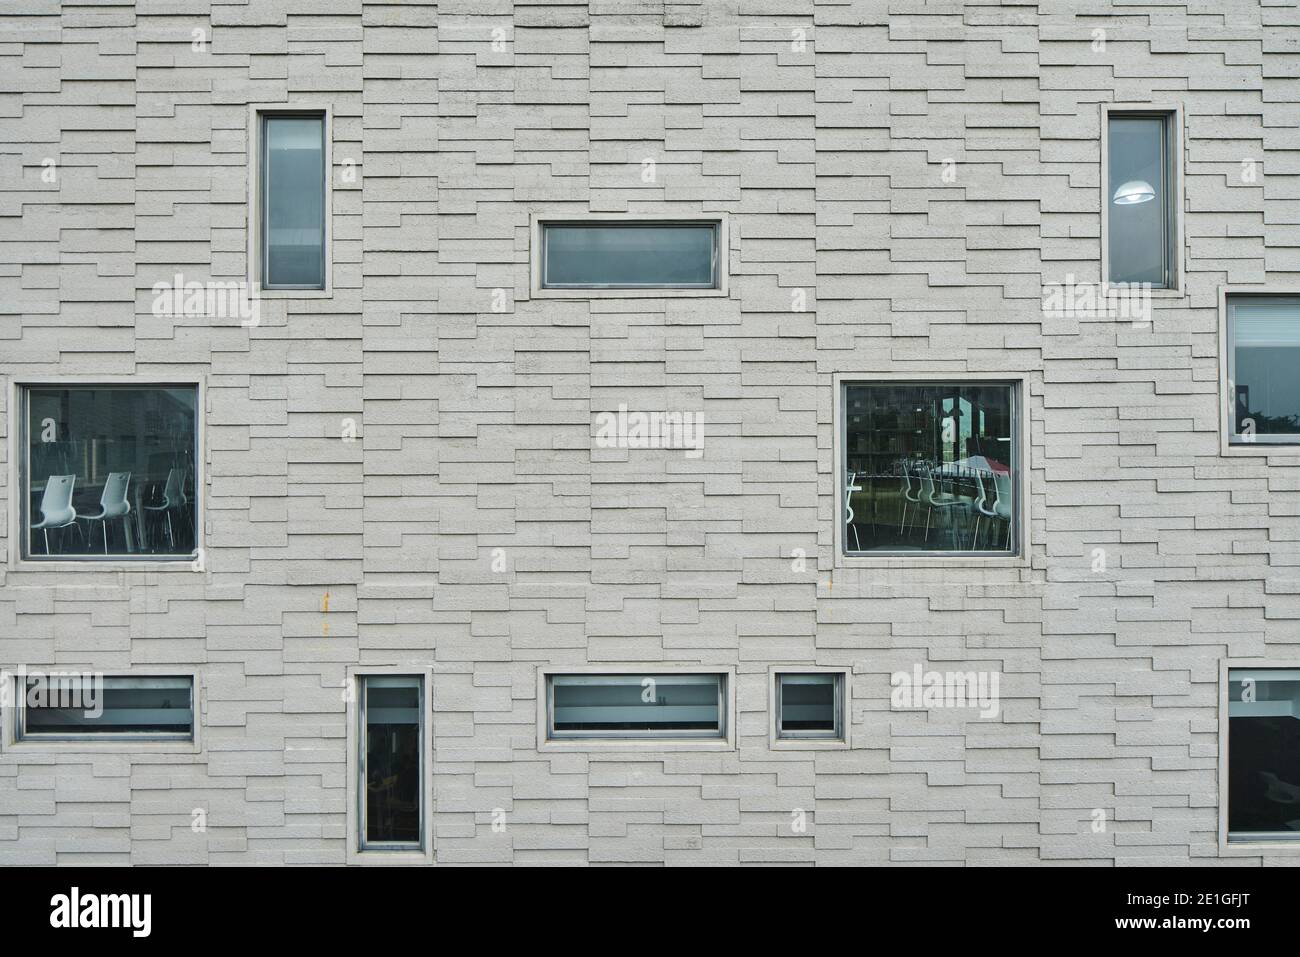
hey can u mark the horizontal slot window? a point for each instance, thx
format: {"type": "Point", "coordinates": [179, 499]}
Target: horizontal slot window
{"type": "Point", "coordinates": [86, 707]}
{"type": "Point", "coordinates": [630, 255]}
{"type": "Point", "coordinates": [637, 705]}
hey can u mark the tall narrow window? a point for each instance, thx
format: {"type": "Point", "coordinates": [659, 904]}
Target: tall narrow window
{"type": "Point", "coordinates": [1140, 203]}
{"type": "Point", "coordinates": [98, 707]}
{"type": "Point", "coordinates": [1263, 360]}
{"type": "Point", "coordinates": [618, 255]}
{"type": "Point", "coordinates": [293, 201]}
{"type": "Point", "coordinates": [392, 762]}
{"type": "Point", "coordinates": [637, 706]}
{"type": "Point", "coordinates": [1263, 754]}
{"type": "Point", "coordinates": [930, 467]}
{"type": "Point", "coordinates": [109, 471]}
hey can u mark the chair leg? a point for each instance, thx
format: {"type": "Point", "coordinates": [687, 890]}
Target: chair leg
{"type": "Point", "coordinates": [46, 533]}
{"type": "Point", "coordinates": [171, 536]}
{"type": "Point", "coordinates": [929, 512]}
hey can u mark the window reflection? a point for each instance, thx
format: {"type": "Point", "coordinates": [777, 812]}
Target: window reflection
{"type": "Point", "coordinates": [929, 467]}
{"type": "Point", "coordinates": [1263, 752]}
{"type": "Point", "coordinates": [110, 471]}
{"type": "Point", "coordinates": [392, 759]}
{"type": "Point", "coordinates": [1264, 332]}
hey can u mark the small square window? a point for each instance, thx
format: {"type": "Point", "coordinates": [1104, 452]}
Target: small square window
{"type": "Point", "coordinates": [630, 255]}
{"type": "Point", "coordinates": [1263, 773]}
{"type": "Point", "coordinates": [105, 708]}
{"type": "Point", "coordinates": [1140, 183]}
{"type": "Point", "coordinates": [109, 471]}
{"type": "Point", "coordinates": [639, 706]}
{"type": "Point", "coordinates": [810, 705]}
{"type": "Point", "coordinates": [1263, 346]}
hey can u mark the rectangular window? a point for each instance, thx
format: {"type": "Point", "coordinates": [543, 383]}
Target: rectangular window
{"type": "Point", "coordinates": [930, 467]}
{"type": "Point", "coordinates": [1263, 754]}
{"type": "Point", "coordinates": [392, 762]}
{"type": "Point", "coordinates": [637, 706]}
{"type": "Point", "coordinates": [76, 707]}
{"type": "Point", "coordinates": [293, 183]}
{"type": "Point", "coordinates": [108, 471]}
{"type": "Point", "coordinates": [1139, 193]}
{"type": "Point", "coordinates": [623, 255]}
{"type": "Point", "coordinates": [1263, 359]}
{"type": "Point", "coordinates": [810, 705]}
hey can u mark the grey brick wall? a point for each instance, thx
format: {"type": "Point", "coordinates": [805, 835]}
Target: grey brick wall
{"type": "Point", "coordinates": [475, 424]}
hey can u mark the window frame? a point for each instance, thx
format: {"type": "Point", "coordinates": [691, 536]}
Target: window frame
{"type": "Point", "coordinates": [537, 254]}
{"type": "Point", "coordinates": [257, 114]}
{"type": "Point", "coordinates": [18, 426]}
{"type": "Point", "coordinates": [1019, 556]}
{"type": "Point", "coordinates": [1254, 847]}
{"type": "Point", "coordinates": [805, 740]}
{"type": "Point", "coordinates": [1175, 160]}
{"type": "Point", "coordinates": [359, 851]}
{"type": "Point", "coordinates": [17, 745]}
{"type": "Point", "coordinates": [1271, 449]}
{"type": "Point", "coordinates": [637, 741]}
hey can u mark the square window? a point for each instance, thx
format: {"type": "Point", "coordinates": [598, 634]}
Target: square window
{"type": "Point", "coordinates": [109, 471]}
{"type": "Point", "coordinates": [1263, 346]}
{"type": "Point", "coordinates": [291, 214]}
{"type": "Point", "coordinates": [1140, 184]}
{"type": "Point", "coordinates": [647, 706]}
{"type": "Point", "coordinates": [630, 255]}
{"type": "Point", "coordinates": [104, 708]}
{"type": "Point", "coordinates": [810, 705]}
{"type": "Point", "coordinates": [1263, 773]}
{"type": "Point", "coordinates": [391, 762]}
{"type": "Point", "coordinates": [930, 467]}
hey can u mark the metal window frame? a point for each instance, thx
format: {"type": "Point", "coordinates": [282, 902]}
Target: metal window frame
{"type": "Point", "coordinates": [264, 118]}
{"type": "Point", "coordinates": [1252, 843]}
{"type": "Point", "coordinates": [1016, 549]}
{"type": "Point", "coordinates": [649, 734]}
{"type": "Point", "coordinates": [22, 734]}
{"type": "Point", "coordinates": [1234, 436]}
{"type": "Point", "coordinates": [714, 226]}
{"type": "Point", "coordinates": [23, 469]}
{"type": "Point", "coordinates": [838, 680]}
{"type": "Point", "coordinates": [363, 845]}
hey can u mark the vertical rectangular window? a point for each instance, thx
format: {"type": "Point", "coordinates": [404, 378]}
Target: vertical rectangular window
{"type": "Point", "coordinates": [1141, 208]}
{"type": "Point", "coordinates": [604, 255]}
{"type": "Point", "coordinates": [930, 467]}
{"type": "Point", "coordinates": [293, 201]}
{"type": "Point", "coordinates": [65, 707]}
{"type": "Point", "coordinates": [392, 762]}
{"type": "Point", "coordinates": [109, 471]}
{"type": "Point", "coordinates": [1263, 334]}
{"type": "Point", "coordinates": [637, 706]}
{"type": "Point", "coordinates": [1263, 754]}
{"type": "Point", "coordinates": [810, 705]}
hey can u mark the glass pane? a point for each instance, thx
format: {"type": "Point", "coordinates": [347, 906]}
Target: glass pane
{"type": "Point", "coordinates": [1263, 752]}
{"type": "Point", "coordinates": [110, 471]}
{"type": "Point", "coordinates": [630, 256]}
{"type": "Point", "coordinates": [1139, 205]}
{"type": "Point", "coordinates": [663, 704]}
{"type": "Point", "coordinates": [808, 703]}
{"type": "Point", "coordinates": [929, 467]}
{"type": "Point", "coordinates": [294, 201]}
{"type": "Point", "coordinates": [392, 709]}
{"type": "Point", "coordinates": [80, 705]}
{"type": "Point", "coordinates": [1265, 333]}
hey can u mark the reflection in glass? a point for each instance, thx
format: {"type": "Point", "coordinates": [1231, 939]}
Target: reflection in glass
{"type": "Point", "coordinates": [110, 471]}
{"type": "Point", "coordinates": [293, 202]}
{"type": "Point", "coordinates": [1263, 753]}
{"type": "Point", "coordinates": [624, 256]}
{"type": "Point", "coordinates": [929, 467]}
{"type": "Point", "coordinates": [74, 705]}
{"type": "Point", "coordinates": [1140, 226]}
{"type": "Point", "coordinates": [1264, 332]}
{"type": "Point", "coordinates": [808, 705]}
{"type": "Point", "coordinates": [628, 704]}
{"type": "Point", "coordinates": [392, 708]}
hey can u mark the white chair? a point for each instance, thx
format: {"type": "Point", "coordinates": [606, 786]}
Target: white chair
{"type": "Point", "coordinates": [933, 498]}
{"type": "Point", "coordinates": [56, 507]}
{"type": "Point", "coordinates": [173, 500]}
{"type": "Point", "coordinates": [849, 489]}
{"type": "Point", "coordinates": [113, 504]}
{"type": "Point", "coordinates": [983, 506]}
{"type": "Point", "coordinates": [911, 494]}
{"type": "Point", "coordinates": [1002, 505]}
